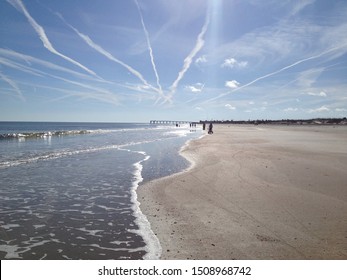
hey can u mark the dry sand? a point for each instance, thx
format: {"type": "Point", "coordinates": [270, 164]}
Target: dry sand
{"type": "Point", "coordinates": [255, 192]}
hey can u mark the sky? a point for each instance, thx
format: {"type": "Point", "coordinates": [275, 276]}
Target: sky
{"type": "Point", "coordinates": [142, 60]}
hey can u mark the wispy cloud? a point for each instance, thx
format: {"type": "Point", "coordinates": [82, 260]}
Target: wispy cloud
{"type": "Point", "coordinates": [309, 77]}
{"type": "Point", "coordinates": [288, 38]}
{"type": "Point", "coordinates": [188, 60]}
{"type": "Point", "coordinates": [43, 37]}
{"type": "Point", "coordinates": [82, 94]}
{"type": "Point", "coordinates": [13, 85]}
{"type": "Point", "coordinates": [288, 67]}
{"type": "Point", "coordinates": [321, 94]}
{"type": "Point", "coordinates": [300, 5]}
{"type": "Point", "coordinates": [149, 47]}
{"type": "Point", "coordinates": [201, 60]}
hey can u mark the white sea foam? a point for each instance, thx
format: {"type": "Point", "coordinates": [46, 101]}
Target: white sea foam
{"type": "Point", "coordinates": [11, 251]}
{"type": "Point", "coordinates": [113, 249]}
{"type": "Point", "coordinates": [178, 132]}
{"type": "Point", "coordinates": [106, 208]}
{"type": "Point", "coordinates": [14, 251]}
{"type": "Point", "coordinates": [190, 158]}
{"type": "Point", "coordinates": [38, 226]}
{"type": "Point", "coordinates": [66, 153]}
{"type": "Point", "coordinates": [93, 232]}
{"type": "Point", "coordinates": [153, 247]}
{"type": "Point", "coordinates": [116, 242]}
{"type": "Point", "coordinates": [9, 226]}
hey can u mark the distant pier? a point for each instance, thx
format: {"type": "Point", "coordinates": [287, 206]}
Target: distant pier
{"type": "Point", "coordinates": [169, 122]}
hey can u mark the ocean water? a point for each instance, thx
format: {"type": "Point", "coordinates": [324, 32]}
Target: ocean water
{"type": "Point", "coordinates": [68, 190]}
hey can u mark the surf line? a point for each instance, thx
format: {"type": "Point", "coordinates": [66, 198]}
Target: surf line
{"type": "Point", "coordinates": [153, 247]}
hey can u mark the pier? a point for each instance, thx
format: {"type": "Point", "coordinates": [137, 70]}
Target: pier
{"type": "Point", "coordinates": [169, 122]}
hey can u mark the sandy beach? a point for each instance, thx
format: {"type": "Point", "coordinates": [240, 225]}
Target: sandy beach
{"type": "Point", "coordinates": [255, 192]}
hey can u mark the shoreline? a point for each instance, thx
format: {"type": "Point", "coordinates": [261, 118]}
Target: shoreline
{"type": "Point", "coordinates": [254, 192]}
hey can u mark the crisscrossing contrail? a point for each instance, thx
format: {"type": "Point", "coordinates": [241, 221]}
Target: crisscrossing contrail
{"type": "Point", "coordinates": [19, 6]}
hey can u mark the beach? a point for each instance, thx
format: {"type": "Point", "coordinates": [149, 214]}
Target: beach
{"type": "Point", "coordinates": [254, 192]}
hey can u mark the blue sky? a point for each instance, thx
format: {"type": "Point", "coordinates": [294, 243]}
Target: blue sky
{"type": "Point", "coordinates": [126, 60]}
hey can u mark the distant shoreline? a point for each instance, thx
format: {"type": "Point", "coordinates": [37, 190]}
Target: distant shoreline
{"type": "Point", "coordinates": [254, 192]}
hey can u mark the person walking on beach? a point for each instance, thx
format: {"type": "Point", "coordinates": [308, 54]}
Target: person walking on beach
{"type": "Point", "coordinates": [210, 127]}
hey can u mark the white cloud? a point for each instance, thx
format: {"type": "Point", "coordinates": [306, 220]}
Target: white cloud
{"type": "Point", "coordinates": [199, 108]}
{"type": "Point", "coordinates": [320, 109]}
{"type": "Point", "coordinates": [229, 62]}
{"type": "Point", "coordinates": [290, 109]}
{"type": "Point", "coordinates": [232, 62]}
{"type": "Point", "coordinates": [232, 84]}
{"type": "Point", "coordinates": [322, 94]}
{"type": "Point", "coordinates": [230, 107]}
{"type": "Point", "coordinates": [198, 87]}
{"type": "Point", "coordinates": [340, 110]}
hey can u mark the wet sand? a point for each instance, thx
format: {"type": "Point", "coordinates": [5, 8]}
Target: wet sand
{"type": "Point", "coordinates": [255, 192]}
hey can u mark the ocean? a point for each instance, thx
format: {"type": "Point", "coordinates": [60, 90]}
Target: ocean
{"type": "Point", "coordinates": [68, 190]}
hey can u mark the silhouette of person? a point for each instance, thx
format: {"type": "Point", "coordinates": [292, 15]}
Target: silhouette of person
{"type": "Point", "coordinates": [210, 129]}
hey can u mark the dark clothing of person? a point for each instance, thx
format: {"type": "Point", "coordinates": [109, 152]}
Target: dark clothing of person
{"type": "Point", "coordinates": [210, 127]}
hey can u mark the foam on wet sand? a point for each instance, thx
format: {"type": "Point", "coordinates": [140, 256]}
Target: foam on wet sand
{"type": "Point", "coordinates": [255, 192]}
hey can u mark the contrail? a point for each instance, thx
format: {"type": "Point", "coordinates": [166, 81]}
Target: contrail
{"type": "Point", "coordinates": [278, 71]}
{"type": "Point", "coordinates": [20, 67]}
{"type": "Point", "coordinates": [105, 53]}
{"type": "Point", "coordinates": [13, 85]}
{"type": "Point", "coordinates": [18, 5]}
{"type": "Point", "coordinates": [149, 46]}
{"type": "Point", "coordinates": [29, 60]}
{"type": "Point", "coordinates": [188, 60]}
{"type": "Point", "coordinates": [32, 71]}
